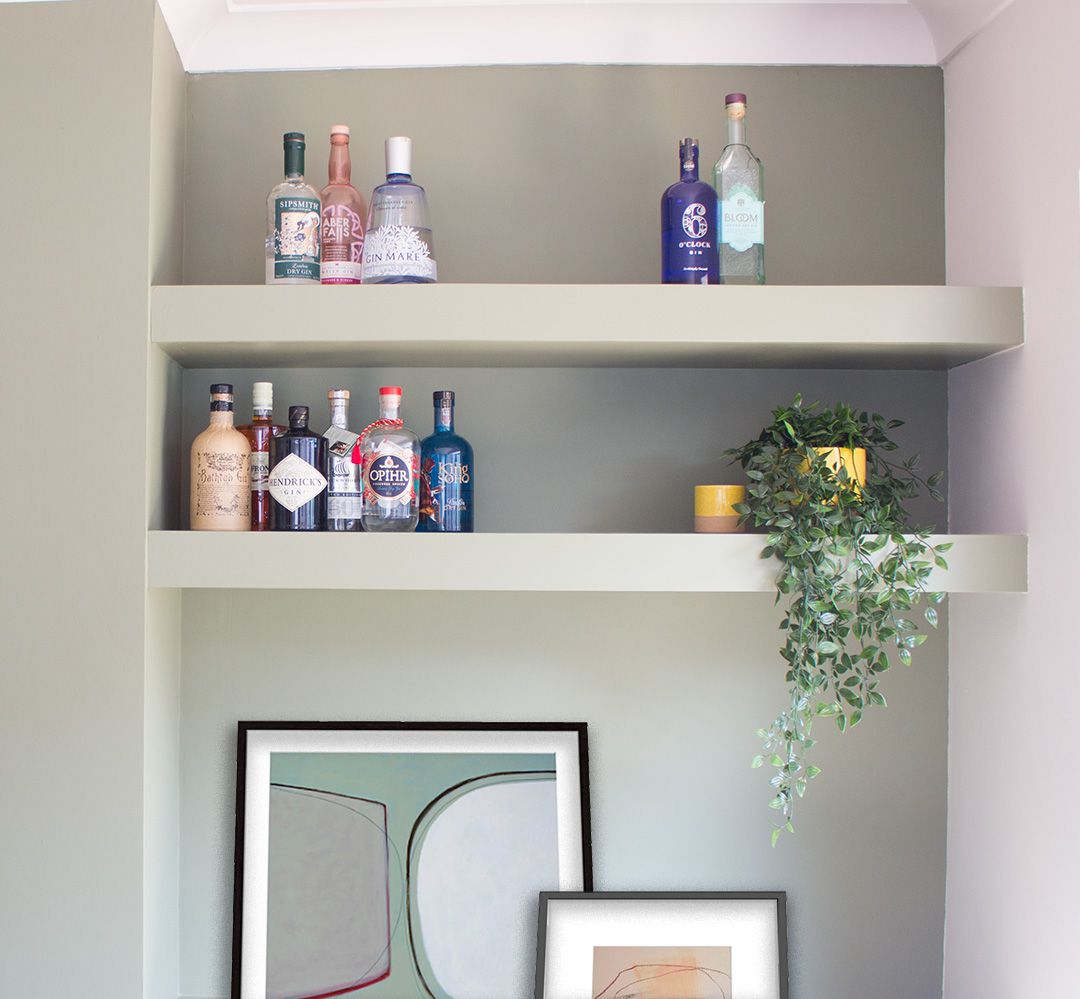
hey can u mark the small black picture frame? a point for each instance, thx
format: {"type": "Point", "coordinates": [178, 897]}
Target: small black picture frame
{"type": "Point", "coordinates": [259, 741]}
{"type": "Point", "coordinates": [596, 910]}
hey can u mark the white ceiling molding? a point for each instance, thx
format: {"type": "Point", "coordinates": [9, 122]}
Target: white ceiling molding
{"type": "Point", "coordinates": [237, 35]}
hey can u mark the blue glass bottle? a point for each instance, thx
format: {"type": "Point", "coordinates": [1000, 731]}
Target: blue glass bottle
{"type": "Point", "coordinates": [688, 226]}
{"type": "Point", "coordinates": [297, 486]}
{"type": "Point", "coordinates": [447, 473]}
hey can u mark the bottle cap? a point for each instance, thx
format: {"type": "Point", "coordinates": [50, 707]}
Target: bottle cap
{"type": "Point", "coordinates": [262, 395]}
{"type": "Point", "coordinates": [337, 394]}
{"type": "Point", "coordinates": [443, 395]}
{"type": "Point", "coordinates": [298, 416]}
{"type": "Point", "coordinates": [735, 99]}
{"type": "Point", "coordinates": [220, 388]}
{"type": "Point", "coordinates": [390, 390]}
{"type": "Point", "coordinates": [339, 129]}
{"type": "Point", "coordinates": [399, 155]}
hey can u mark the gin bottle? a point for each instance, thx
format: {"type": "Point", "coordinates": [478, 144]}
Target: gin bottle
{"type": "Point", "coordinates": [398, 248]}
{"type": "Point", "coordinates": [343, 474]}
{"type": "Point", "coordinates": [447, 472]}
{"type": "Point", "coordinates": [740, 184]}
{"type": "Point", "coordinates": [390, 455]}
{"type": "Point", "coordinates": [343, 215]}
{"type": "Point", "coordinates": [220, 477]}
{"type": "Point", "coordinates": [297, 486]}
{"type": "Point", "coordinates": [688, 227]}
{"type": "Point", "coordinates": [293, 222]}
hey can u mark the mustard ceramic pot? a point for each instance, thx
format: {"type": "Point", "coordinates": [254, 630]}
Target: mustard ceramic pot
{"type": "Point", "coordinates": [714, 509]}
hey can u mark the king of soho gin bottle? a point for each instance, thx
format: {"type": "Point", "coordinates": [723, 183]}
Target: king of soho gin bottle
{"type": "Point", "coordinates": [293, 222]}
{"type": "Point", "coordinates": [297, 487]}
{"type": "Point", "coordinates": [220, 476]}
{"type": "Point", "coordinates": [390, 453]}
{"type": "Point", "coordinates": [688, 225]}
{"type": "Point", "coordinates": [398, 248]}
{"type": "Point", "coordinates": [447, 471]}
{"type": "Point", "coordinates": [740, 184]}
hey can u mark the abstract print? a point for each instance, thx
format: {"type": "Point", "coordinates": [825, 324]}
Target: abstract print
{"type": "Point", "coordinates": [661, 973]}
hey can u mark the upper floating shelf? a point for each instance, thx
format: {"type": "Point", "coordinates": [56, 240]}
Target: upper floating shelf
{"type": "Point", "coordinates": [502, 325]}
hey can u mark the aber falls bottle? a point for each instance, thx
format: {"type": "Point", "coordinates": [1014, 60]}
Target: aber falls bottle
{"type": "Point", "coordinates": [447, 471]}
{"type": "Point", "coordinates": [220, 477]}
{"type": "Point", "coordinates": [344, 215]}
{"type": "Point", "coordinates": [293, 222]}
{"type": "Point", "coordinates": [259, 432]}
{"type": "Point", "coordinates": [740, 185]}
{"type": "Point", "coordinates": [390, 454]}
{"type": "Point", "coordinates": [688, 229]}
{"type": "Point", "coordinates": [343, 494]}
{"type": "Point", "coordinates": [297, 487]}
{"type": "Point", "coordinates": [397, 246]}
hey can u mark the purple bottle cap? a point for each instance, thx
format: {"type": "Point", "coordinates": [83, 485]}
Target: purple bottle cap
{"type": "Point", "coordinates": [735, 99]}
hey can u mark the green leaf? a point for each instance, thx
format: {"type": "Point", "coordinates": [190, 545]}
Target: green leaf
{"type": "Point", "coordinates": [905, 656]}
{"type": "Point", "coordinates": [775, 836]}
{"type": "Point", "coordinates": [841, 722]}
{"type": "Point", "coordinates": [757, 761]}
{"type": "Point", "coordinates": [828, 648]}
{"type": "Point", "coordinates": [931, 616]}
{"type": "Point", "coordinates": [812, 772]}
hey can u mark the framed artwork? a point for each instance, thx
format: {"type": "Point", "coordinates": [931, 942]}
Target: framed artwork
{"type": "Point", "coordinates": [402, 861]}
{"type": "Point", "coordinates": [661, 945]}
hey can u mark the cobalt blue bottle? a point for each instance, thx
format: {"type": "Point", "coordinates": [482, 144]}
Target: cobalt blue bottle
{"type": "Point", "coordinates": [297, 486]}
{"type": "Point", "coordinates": [688, 224]}
{"type": "Point", "coordinates": [447, 473]}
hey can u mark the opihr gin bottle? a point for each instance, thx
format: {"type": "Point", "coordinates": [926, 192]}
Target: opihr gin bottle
{"type": "Point", "coordinates": [293, 222]}
{"type": "Point", "coordinates": [344, 214]}
{"type": "Point", "coordinates": [220, 476]}
{"type": "Point", "coordinates": [740, 185]}
{"type": "Point", "coordinates": [398, 248]}
{"type": "Point", "coordinates": [688, 228]}
{"type": "Point", "coordinates": [447, 473]}
{"type": "Point", "coordinates": [390, 455]}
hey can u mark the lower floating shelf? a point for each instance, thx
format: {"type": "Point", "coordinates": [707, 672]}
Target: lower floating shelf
{"type": "Point", "coordinates": [613, 563]}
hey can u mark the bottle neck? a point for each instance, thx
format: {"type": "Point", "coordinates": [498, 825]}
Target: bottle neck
{"type": "Point", "coordinates": [298, 426]}
{"type": "Point", "coordinates": [399, 178]}
{"type": "Point", "coordinates": [389, 410]}
{"type": "Point", "coordinates": [339, 413]}
{"type": "Point", "coordinates": [261, 415]}
{"type": "Point", "coordinates": [221, 414]}
{"type": "Point", "coordinates": [444, 417]}
{"type": "Point", "coordinates": [736, 130]}
{"type": "Point", "coordinates": [294, 163]}
{"type": "Point", "coordinates": [340, 167]}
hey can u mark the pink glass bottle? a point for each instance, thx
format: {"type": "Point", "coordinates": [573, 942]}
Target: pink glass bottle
{"type": "Point", "coordinates": [343, 215]}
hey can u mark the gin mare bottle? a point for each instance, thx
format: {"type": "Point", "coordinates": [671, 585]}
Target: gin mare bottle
{"type": "Point", "coordinates": [398, 248]}
{"type": "Point", "coordinates": [740, 185]}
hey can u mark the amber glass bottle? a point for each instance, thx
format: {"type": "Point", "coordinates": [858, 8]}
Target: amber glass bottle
{"type": "Point", "coordinates": [259, 433]}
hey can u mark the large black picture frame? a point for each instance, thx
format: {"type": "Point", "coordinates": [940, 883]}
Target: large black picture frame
{"type": "Point", "coordinates": [577, 731]}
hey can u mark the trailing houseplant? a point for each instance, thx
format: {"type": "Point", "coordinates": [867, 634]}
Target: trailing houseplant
{"type": "Point", "coordinates": [852, 570]}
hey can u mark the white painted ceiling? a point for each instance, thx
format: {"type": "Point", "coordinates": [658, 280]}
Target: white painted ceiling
{"type": "Point", "coordinates": [226, 35]}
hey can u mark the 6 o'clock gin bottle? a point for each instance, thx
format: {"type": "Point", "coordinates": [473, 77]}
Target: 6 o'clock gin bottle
{"type": "Point", "coordinates": [293, 222]}
{"type": "Point", "coordinates": [390, 453]}
{"type": "Point", "coordinates": [740, 184]}
{"type": "Point", "coordinates": [688, 228]}
{"type": "Point", "coordinates": [398, 248]}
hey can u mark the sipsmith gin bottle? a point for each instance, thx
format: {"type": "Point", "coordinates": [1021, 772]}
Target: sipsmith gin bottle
{"type": "Point", "coordinates": [398, 248]}
{"type": "Point", "coordinates": [740, 184]}
{"type": "Point", "coordinates": [293, 222]}
{"type": "Point", "coordinates": [688, 227]}
{"type": "Point", "coordinates": [447, 473]}
{"type": "Point", "coordinates": [390, 455]}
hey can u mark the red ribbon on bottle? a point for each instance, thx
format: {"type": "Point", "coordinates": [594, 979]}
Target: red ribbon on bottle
{"type": "Point", "coordinates": [357, 457]}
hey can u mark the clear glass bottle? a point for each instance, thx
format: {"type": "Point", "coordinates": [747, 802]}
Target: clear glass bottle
{"type": "Point", "coordinates": [220, 477]}
{"type": "Point", "coordinates": [390, 455]}
{"type": "Point", "coordinates": [343, 494]}
{"type": "Point", "coordinates": [688, 227]}
{"type": "Point", "coordinates": [344, 215]}
{"type": "Point", "coordinates": [297, 486]}
{"type": "Point", "coordinates": [259, 432]}
{"type": "Point", "coordinates": [740, 185]}
{"type": "Point", "coordinates": [447, 473]}
{"type": "Point", "coordinates": [293, 222]}
{"type": "Point", "coordinates": [398, 247]}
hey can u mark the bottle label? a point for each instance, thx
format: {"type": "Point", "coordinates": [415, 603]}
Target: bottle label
{"type": "Point", "coordinates": [446, 492]}
{"type": "Point", "coordinates": [294, 482]}
{"type": "Point", "coordinates": [389, 477]}
{"type": "Point", "coordinates": [260, 471]}
{"type": "Point", "coordinates": [221, 485]}
{"type": "Point", "coordinates": [342, 245]}
{"type": "Point", "coordinates": [742, 219]}
{"type": "Point", "coordinates": [393, 251]}
{"type": "Point", "coordinates": [343, 496]}
{"type": "Point", "coordinates": [695, 221]}
{"type": "Point", "coordinates": [296, 238]}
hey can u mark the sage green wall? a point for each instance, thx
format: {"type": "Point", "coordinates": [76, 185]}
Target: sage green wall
{"type": "Point", "coordinates": [75, 109]}
{"type": "Point", "coordinates": [555, 173]}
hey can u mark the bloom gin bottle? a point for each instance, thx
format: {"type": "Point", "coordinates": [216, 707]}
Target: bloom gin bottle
{"type": "Point", "coordinates": [688, 225]}
{"type": "Point", "coordinates": [740, 185]}
{"type": "Point", "coordinates": [398, 248]}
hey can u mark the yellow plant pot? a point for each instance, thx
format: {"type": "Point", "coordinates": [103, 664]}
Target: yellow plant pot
{"type": "Point", "coordinates": [851, 460]}
{"type": "Point", "coordinates": [714, 509]}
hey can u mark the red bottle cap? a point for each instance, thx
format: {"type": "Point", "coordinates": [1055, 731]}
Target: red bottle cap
{"type": "Point", "coordinates": [390, 390]}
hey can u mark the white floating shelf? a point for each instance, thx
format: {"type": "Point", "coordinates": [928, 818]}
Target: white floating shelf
{"type": "Point", "coordinates": [501, 325]}
{"type": "Point", "coordinates": [646, 563]}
